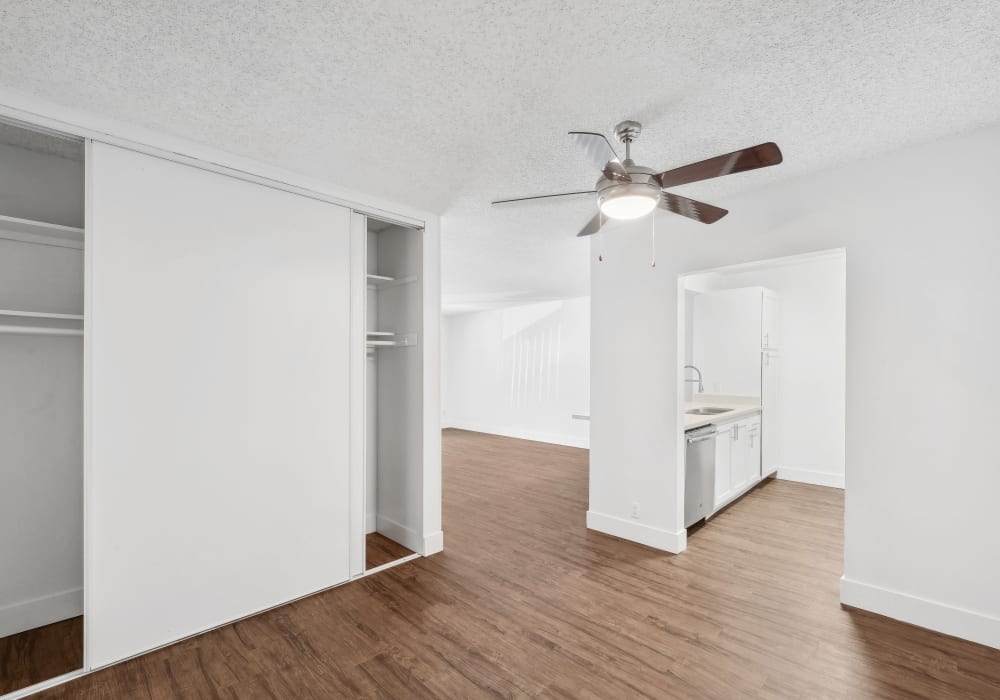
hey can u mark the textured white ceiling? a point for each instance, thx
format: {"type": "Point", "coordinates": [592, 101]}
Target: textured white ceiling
{"type": "Point", "coordinates": [448, 104]}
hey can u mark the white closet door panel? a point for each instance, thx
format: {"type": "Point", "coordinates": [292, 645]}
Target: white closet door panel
{"type": "Point", "coordinates": [219, 336]}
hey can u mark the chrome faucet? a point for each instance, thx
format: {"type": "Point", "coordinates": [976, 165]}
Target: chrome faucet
{"type": "Point", "coordinates": [701, 387]}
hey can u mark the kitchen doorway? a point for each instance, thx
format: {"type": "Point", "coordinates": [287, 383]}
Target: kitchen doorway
{"type": "Point", "coordinates": [763, 390]}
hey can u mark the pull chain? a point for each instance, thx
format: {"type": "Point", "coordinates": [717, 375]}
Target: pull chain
{"type": "Point", "coordinates": [600, 239]}
{"type": "Point", "coordinates": [652, 236]}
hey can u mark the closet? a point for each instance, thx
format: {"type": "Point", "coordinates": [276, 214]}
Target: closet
{"type": "Point", "coordinates": [393, 392]}
{"type": "Point", "coordinates": [41, 405]}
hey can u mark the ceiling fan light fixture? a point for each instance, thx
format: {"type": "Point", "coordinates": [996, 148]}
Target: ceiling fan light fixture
{"type": "Point", "coordinates": [630, 201]}
{"type": "Point", "coordinates": [629, 206]}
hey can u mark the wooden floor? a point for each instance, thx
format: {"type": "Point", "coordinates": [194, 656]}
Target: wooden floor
{"type": "Point", "coordinates": [380, 550]}
{"type": "Point", "coordinates": [36, 655]}
{"type": "Point", "coordinates": [525, 601]}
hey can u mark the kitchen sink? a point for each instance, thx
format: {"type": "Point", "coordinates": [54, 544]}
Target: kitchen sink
{"type": "Point", "coordinates": [707, 411]}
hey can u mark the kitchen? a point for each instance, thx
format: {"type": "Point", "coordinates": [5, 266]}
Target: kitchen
{"type": "Point", "coordinates": [764, 378]}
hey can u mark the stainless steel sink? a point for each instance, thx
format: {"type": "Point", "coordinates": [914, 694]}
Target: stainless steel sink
{"type": "Point", "coordinates": [707, 411]}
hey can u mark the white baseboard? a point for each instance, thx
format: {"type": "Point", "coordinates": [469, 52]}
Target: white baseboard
{"type": "Point", "coordinates": [433, 543]}
{"type": "Point", "coordinates": [940, 617]}
{"type": "Point", "coordinates": [398, 532]}
{"type": "Point", "coordinates": [514, 432]}
{"type": "Point", "coordinates": [648, 535]}
{"type": "Point", "coordinates": [806, 476]}
{"type": "Point", "coordinates": [29, 614]}
{"type": "Point", "coordinates": [371, 524]}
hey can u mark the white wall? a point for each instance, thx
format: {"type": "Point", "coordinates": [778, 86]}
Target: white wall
{"type": "Point", "coordinates": [811, 360]}
{"type": "Point", "coordinates": [923, 296]}
{"type": "Point", "coordinates": [521, 371]}
{"type": "Point", "coordinates": [726, 331]}
{"type": "Point", "coordinates": [219, 376]}
{"type": "Point", "coordinates": [690, 388]}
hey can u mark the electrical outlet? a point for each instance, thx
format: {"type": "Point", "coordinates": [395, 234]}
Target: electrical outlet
{"type": "Point", "coordinates": [635, 509]}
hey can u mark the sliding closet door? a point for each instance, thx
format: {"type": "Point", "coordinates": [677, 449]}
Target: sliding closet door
{"type": "Point", "coordinates": [218, 329]}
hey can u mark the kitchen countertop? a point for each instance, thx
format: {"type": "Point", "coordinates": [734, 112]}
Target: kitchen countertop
{"type": "Point", "coordinates": [739, 407]}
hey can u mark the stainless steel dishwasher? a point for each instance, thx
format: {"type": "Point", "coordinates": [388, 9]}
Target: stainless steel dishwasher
{"type": "Point", "coordinates": [699, 474]}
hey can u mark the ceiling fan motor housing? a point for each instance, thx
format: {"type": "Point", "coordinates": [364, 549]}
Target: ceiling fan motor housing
{"type": "Point", "coordinates": [644, 187]}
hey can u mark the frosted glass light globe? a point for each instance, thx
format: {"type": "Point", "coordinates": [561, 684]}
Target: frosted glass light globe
{"type": "Point", "coordinates": [628, 206]}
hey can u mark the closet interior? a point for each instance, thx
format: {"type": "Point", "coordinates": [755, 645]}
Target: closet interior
{"type": "Point", "coordinates": [41, 405]}
{"type": "Point", "coordinates": [394, 393]}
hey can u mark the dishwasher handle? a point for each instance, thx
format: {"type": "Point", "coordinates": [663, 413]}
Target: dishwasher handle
{"type": "Point", "coordinates": [692, 441]}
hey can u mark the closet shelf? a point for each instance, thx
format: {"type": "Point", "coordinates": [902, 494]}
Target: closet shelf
{"type": "Point", "coordinates": [28, 230]}
{"type": "Point", "coordinates": [14, 322]}
{"type": "Point", "coordinates": [392, 340]}
{"type": "Point", "coordinates": [383, 281]}
{"type": "Point", "coordinates": [38, 330]}
{"type": "Point", "coordinates": [40, 314]}
{"type": "Point", "coordinates": [381, 333]}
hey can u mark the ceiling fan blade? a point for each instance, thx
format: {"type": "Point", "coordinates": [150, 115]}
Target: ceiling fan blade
{"type": "Point", "coordinates": [593, 226]}
{"type": "Point", "coordinates": [542, 196]}
{"type": "Point", "coordinates": [598, 149]}
{"type": "Point", "coordinates": [692, 209]}
{"type": "Point", "coordinates": [736, 162]}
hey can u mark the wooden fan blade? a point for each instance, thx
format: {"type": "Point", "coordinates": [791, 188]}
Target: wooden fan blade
{"type": "Point", "coordinates": [736, 162]}
{"type": "Point", "coordinates": [593, 226]}
{"type": "Point", "coordinates": [599, 151]}
{"type": "Point", "coordinates": [542, 196]}
{"type": "Point", "coordinates": [692, 209]}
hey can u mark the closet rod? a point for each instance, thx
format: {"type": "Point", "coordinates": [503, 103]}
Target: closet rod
{"type": "Point", "coordinates": [34, 330]}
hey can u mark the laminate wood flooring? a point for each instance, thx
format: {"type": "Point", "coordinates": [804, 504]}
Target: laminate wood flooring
{"type": "Point", "coordinates": [380, 550]}
{"type": "Point", "coordinates": [38, 654]}
{"type": "Point", "coordinates": [526, 602]}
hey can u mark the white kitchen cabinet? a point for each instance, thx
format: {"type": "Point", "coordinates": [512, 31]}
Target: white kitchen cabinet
{"type": "Point", "coordinates": [770, 320]}
{"type": "Point", "coordinates": [723, 459]}
{"type": "Point", "coordinates": [753, 450]}
{"type": "Point", "coordinates": [737, 458]}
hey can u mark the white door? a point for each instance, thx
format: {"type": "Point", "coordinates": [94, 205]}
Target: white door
{"type": "Point", "coordinates": [218, 336]}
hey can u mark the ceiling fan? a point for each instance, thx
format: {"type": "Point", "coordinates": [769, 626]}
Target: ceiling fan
{"type": "Point", "coordinates": [629, 191]}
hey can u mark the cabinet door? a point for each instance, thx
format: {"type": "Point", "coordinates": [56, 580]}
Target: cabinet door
{"type": "Point", "coordinates": [753, 451]}
{"type": "Point", "coordinates": [770, 321]}
{"type": "Point", "coordinates": [738, 456]}
{"type": "Point", "coordinates": [723, 453]}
